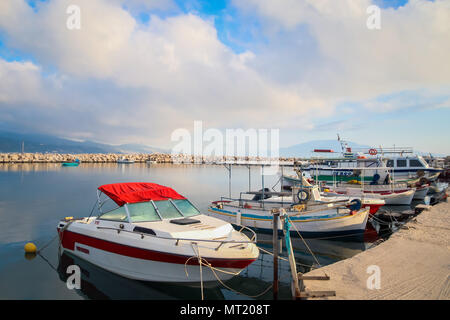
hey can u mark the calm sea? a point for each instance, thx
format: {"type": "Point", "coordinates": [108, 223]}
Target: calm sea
{"type": "Point", "coordinates": [34, 197]}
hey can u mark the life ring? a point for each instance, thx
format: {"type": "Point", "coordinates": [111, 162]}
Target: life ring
{"type": "Point", "coordinates": [373, 152]}
{"type": "Point", "coordinates": [303, 196]}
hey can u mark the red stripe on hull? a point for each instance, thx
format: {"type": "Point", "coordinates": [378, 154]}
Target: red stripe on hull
{"type": "Point", "coordinates": [69, 238]}
{"type": "Point", "coordinates": [373, 208]}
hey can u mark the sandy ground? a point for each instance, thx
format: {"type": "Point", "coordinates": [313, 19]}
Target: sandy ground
{"type": "Point", "coordinates": [414, 263]}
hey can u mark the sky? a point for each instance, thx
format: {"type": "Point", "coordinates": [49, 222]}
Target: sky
{"type": "Point", "coordinates": [138, 70]}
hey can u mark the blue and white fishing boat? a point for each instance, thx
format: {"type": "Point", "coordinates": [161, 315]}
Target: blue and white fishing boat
{"type": "Point", "coordinates": [316, 220]}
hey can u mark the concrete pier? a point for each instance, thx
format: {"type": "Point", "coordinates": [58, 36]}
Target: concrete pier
{"type": "Point", "coordinates": [414, 263]}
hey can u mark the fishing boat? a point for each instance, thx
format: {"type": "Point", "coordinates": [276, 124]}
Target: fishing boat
{"type": "Point", "coordinates": [420, 191]}
{"type": "Point", "coordinates": [344, 170]}
{"type": "Point", "coordinates": [71, 164]}
{"type": "Point", "coordinates": [310, 220]}
{"type": "Point", "coordinates": [398, 163]}
{"type": "Point", "coordinates": [315, 196]}
{"type": "Point", "coordinates": [125, 160]}
{"type": "Point", "coordinates": [391, 193]}
{"type": "Point", "coordinates": [156, 234]}
{"type": "Point", "coordinates": [389, 197]}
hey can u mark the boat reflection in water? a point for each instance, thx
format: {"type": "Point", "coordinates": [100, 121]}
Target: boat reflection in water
{"type": "Point", "coordinates": [253, 283]}
{"type": "Point", "coordinates": [325, 251]}
{"type": "Point", "coordinates": [100, 284]}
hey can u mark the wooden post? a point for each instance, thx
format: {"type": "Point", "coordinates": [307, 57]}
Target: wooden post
{"type": "Point", "coordinates": [275, 243]}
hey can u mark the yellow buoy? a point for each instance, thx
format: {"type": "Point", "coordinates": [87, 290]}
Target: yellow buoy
{"type": "Point", "coordinates": [30, 248]}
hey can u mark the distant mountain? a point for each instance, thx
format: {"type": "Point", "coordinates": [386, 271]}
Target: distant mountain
{"type": "Point", "coordinates": [139, 148]}
{"type": "Point", "coordinates": [12, 142]}
{"type": "Point", "coordinates": [306, 149]}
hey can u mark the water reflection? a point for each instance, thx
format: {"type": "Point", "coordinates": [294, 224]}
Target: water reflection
{"type": "Point", "coordinates": [97, 283]}
{"type": "Point", "coordinates": [100, 284]}
{"type": "Point", "coordinates": [34, 197]}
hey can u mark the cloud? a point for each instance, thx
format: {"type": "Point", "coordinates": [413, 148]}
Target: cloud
{"type": "Point", "coordinates": [328, 46]}
{"type": "Point", "coordinates": [118, 79]}
{"type": "Point", "coordinates": [174, 70]}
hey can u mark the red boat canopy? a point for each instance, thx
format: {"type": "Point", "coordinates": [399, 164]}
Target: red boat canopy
{"type": "Point", "coordinates": [132, 192]}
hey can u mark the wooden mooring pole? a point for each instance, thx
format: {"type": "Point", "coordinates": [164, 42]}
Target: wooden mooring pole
{"type": "Point", "coordinates": [275, 242]}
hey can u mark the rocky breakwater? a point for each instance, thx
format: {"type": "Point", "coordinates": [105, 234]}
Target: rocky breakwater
{"type": "Point", "coordinates": [137, 157]}
{"type": "Point", "coordinates": [83, 157]}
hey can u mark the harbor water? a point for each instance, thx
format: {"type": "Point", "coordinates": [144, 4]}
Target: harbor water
{"type": "Point", "coordinates": [34, 197]}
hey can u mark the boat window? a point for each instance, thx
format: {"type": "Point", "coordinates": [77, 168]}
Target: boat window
{"type": "Point", "coordinates": [142, 212]}
{"type": "Point", "coordinates": [415, 163]}
{"type": "Point", "coordinates": [390, 163]}
{"type": "Point", "coordinates": [118, 214]}
{"type": "Point", "coordinates": [167, 209]}
{"type": "Point", "coordinates": [186, 208]}
{"type": "Point", "coordinates": [401, 163]}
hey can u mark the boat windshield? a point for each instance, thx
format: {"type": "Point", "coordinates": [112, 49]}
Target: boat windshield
{"type": "Point", "coordinates": [118, 214]}
{"type": "Point", "coordinates": [186, 208]}
{"type": "Point", "coordinates": [142, 212]}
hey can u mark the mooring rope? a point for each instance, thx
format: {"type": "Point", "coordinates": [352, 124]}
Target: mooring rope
{"type": "Point", "coordinates": [309, 249]}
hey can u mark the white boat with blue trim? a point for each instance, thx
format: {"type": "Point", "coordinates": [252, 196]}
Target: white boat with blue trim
{"type": "Point", "coordinates": [335, 219]}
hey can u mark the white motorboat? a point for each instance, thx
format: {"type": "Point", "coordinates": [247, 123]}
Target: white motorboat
{"type": "Point", "coordinates": [156, 234]}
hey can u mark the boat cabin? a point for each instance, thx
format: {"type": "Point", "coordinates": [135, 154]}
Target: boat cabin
{"type": "Point", "coordinates": [416, 162]}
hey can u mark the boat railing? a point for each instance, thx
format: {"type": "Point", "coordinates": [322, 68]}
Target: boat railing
{"type": "Point", "coordinates": [313, 207]}
{"type": "Point", "coordinates": [221, 242]}
{"type": "Point", "coordinates": [241, 202]}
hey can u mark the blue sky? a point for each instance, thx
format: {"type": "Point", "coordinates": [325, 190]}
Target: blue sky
{"type": "Point", "coordinates": [310, 71]}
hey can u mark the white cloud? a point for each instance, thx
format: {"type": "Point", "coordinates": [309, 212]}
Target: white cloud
{"type": "Point", "coordinates": [350, 61]}
{"type": "Point", "coordinates": [123, 80]}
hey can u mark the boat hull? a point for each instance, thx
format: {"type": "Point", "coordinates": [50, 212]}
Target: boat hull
{"type": "Point", "coordinates": [390, 198]}
{"type": "Point", "coordinates": [70, 164]}
{"type": "Point", "coordinates": [315, 226]}
{"type": "Point", "coordinates": [421, 193]}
